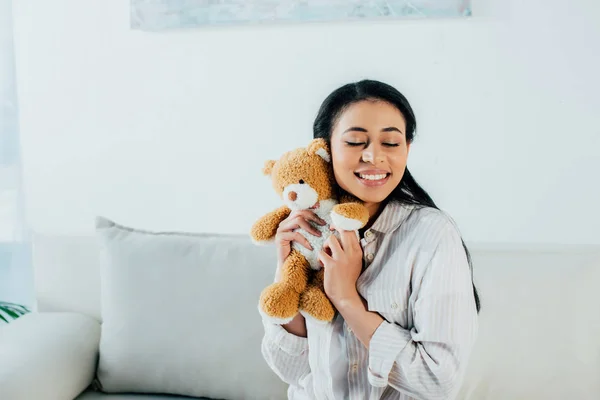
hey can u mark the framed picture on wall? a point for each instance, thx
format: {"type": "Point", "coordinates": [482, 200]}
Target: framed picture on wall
{"type": "Point", "coordinates": [154, 15]}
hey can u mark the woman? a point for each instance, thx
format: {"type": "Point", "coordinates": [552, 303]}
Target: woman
{"type": "Point", "coordinates": [407, 306]}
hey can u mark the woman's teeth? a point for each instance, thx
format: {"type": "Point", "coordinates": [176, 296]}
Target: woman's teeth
{"type": "Point", "coordinates": [373, 177]}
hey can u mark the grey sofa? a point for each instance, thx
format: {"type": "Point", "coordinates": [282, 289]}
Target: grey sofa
{"type": "Point", "coordinates": [102, 329]}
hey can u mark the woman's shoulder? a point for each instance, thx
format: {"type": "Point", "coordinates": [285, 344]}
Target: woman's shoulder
{"type": "Point", "coordinates": [431, 224]}
{"type": "Point", "coordinates": [431, 215]}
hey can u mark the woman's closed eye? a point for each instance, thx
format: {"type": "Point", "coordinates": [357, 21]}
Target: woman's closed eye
{"type": "Point", "coordinates": [363, 143]}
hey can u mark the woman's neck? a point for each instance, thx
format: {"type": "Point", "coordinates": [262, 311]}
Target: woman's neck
{"type": "Point", "coordinates": [374, 211]}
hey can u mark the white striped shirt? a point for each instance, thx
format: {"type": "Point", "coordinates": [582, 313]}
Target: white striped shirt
{"type": "Point", "coordinates": [418, 279]}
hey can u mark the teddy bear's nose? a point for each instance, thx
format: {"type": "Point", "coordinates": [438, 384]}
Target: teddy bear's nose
{"type": "Point", "coordinates": [292, 196]}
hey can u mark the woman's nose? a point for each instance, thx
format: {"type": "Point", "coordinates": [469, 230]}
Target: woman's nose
{"type": "Point", "coordinates": [371, 155]}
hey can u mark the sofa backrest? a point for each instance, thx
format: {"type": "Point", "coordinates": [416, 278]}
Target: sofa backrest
{"type": "Point", "coordinates": [178, 309]}
{"type": "Point", "coordinates": [67, 270]}
{"type": "Point", "coordinates": [539, 325]}
{"type": "Point", "coordinates": [539, 335]}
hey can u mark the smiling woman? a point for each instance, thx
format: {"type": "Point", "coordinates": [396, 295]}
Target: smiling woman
{"type": "Point", "coordinates": [403, 289]}
{"type": "Point", "coordinates": [369, 150]}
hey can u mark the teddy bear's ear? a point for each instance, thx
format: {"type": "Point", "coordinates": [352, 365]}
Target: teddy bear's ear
{"type": "Point", "coordinates": [320, 148]}
{"type": "Point", "coordinates": [268, 168]}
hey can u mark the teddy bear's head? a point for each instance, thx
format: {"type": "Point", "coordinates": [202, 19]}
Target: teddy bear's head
{"type": "Point", "coordinates": [303, 177]}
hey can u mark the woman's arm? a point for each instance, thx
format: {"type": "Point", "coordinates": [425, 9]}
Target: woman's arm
{"type": "Point", "coordinates": [363, 323]}
{"type": "Point", "coordinates": [297, 326]}
{"type": "Point", "coordinates": [285, 349]}
{"type": "Point", "coordinates": [429, 360]}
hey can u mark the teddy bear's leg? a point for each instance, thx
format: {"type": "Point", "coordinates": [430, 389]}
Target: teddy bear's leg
{"type": "Point", "coordinates": [279, 301]}
{"type": "Point", "coordinates": [314, 304]}
{"type": "Point", "coordinates": [349, 216]}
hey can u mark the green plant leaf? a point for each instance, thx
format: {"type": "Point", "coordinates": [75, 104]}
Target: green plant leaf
{"type": "Point", "coordinates": [8, 303]}
{"type": "Point", "coordinates": [17, 311]}
{"type": "Point", "coordinates": [10, 312]}
{"type": "Point", "coordinates": [13, 306]}
{"type": "Point", "coordinates": [18, 308]}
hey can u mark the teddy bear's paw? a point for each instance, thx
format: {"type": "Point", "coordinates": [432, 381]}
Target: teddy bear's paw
{"type": "Point", "coordinates": [350, 216]}
{"type": "Point", "coordinates": [312, 319]}
{"type": "Point", "coordinates": [279, 303]}
{"type": "Point", "coordinates": [315, 306]}
{"type": "Point", "coordinates": [344, 223]}
{"type": "Point", "coordinates": [274, 320]}
{"type": "Point", "coordinates": [263, 242]}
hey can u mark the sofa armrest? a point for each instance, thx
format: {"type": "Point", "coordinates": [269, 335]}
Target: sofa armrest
{"type": "Point", "coordinates": [49, 355]}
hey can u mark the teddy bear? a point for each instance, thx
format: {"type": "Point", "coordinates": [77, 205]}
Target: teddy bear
{"type": "Point", "coordinates": [303, 178]}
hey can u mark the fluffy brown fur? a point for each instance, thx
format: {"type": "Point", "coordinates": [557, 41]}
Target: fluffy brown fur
{"type": "Point", "coordinates": [304, 179]}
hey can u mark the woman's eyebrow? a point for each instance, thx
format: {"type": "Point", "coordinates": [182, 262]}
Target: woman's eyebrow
{"type": "Point", "coordinates": [392, 129]}
{"type": "Point", "coordinates": [359, 129]}
{"type": "Point", "coordinates": [356, 128]}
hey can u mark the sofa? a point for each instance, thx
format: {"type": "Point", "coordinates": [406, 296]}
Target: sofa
{"type": "Point", "coordinates": [127, 313]}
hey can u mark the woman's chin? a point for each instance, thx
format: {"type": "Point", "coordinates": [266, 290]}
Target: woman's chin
{"type": "Point", "coordinates": [372, 195]}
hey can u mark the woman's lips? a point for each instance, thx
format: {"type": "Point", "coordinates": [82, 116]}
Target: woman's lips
{"type": "Point", "coordinates": [378, 179]}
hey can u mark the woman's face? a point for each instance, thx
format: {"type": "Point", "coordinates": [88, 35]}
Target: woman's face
{"type": "Point", "coordinates": [369, 150]}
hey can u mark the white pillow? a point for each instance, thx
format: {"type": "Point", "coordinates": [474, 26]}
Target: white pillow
{"type": "Point", "coordinates": [180, 314]}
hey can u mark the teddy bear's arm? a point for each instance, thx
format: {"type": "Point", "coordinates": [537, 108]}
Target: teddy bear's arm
{"type": "Point", "coordinates": [350, 214]}
{"type": "Point", "coordinates": [266, 227]}
{"type": "Point", "coordinates": [347, 198]}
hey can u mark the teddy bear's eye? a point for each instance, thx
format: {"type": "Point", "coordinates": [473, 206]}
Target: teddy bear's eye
{"type": "Point", "coordinates": [301, 182]}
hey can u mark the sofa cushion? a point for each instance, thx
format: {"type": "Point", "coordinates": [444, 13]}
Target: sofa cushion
{"type": "Point", "coordinates": [47, 355]}
{"type": "Point", "coordinates": [180, 314]}
{"type": "Point", "coordinates": [539, 335]}
{"type": "Point", "coordinates": [93, 395]}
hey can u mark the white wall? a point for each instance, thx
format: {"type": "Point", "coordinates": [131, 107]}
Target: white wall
{"type": "Point", "coordinates": [170, 130]}
{"type": "Point", "coordinates": [16, 278]}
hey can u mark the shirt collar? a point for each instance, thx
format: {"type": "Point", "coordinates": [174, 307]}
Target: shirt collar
{"type": "Point", "coordinates": [392, 216]}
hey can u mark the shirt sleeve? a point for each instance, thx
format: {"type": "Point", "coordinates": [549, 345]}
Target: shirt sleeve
{"type": "Point", "coordinates": [286, 354]}
{"type": "Point", "coordinates": [428, 361]}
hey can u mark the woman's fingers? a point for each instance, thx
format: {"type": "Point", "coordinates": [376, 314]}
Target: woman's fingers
{"type": "Point", "coordinates": [289, 226]}
{"type": "Point", "coordinates": [348, 239]}
{"type": "Point", "coordinates": [294, 237]}
{"type": "Point", "coordinates": [311, 216]}
{"type": "Point", "coordinates": [301, 221]}
{"type": "Point", "coordinates": [334, 246]}
{"type": "Point", "coordinates": [323, 257]}
{"type": "Point", "coordinates": [308, 227]}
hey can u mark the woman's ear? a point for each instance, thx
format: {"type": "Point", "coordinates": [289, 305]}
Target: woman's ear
{"type": "Point", "coordinates": [320, 148]}
{"type": "Point", "coordinates": [268, 168]}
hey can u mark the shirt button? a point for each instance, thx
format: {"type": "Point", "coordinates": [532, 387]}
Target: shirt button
{"type": "Point", "coordinates": [394, 306]}
{"type": "Point", "coordinates": [368, 234]}
{"type": "Point", "coordinates": [354, 367]}
{"type": "Point", "coordinates": [370, 257]}
{"type": "Point", "coordinates": [348, 328]}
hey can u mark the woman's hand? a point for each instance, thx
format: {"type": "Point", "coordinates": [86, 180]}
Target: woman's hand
{"type": "Point", "coordinates": [342, 260]}
{"type": "Point", "coordinates": [283, 240]}
{"type": "Point", "coordinates": [285, 234]}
